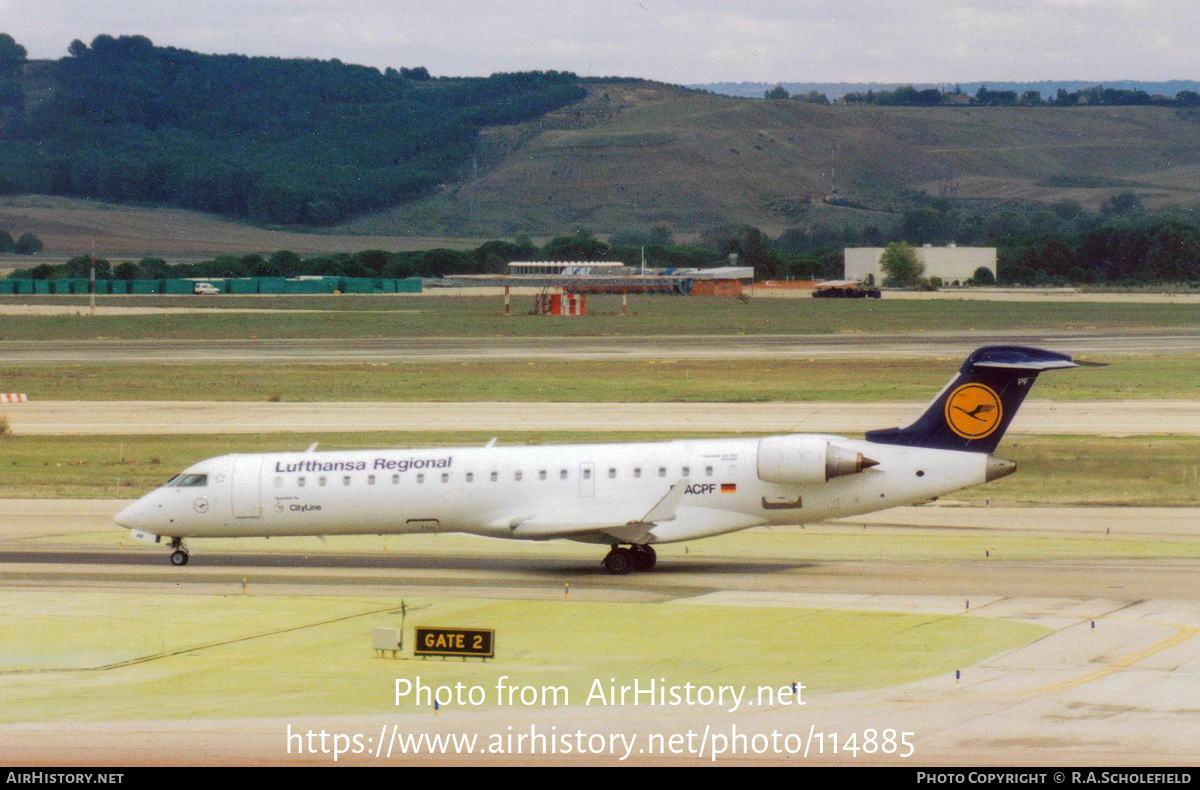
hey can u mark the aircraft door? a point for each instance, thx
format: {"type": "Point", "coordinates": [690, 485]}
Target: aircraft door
{"type": "Point", "coordinates": [246, 482]}
{"type": "Point", "coordinates": [587, 479]}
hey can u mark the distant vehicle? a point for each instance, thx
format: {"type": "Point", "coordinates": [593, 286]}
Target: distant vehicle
{"type": "Point", "coordinates": [625, 496]}
{"type": "Point", "coordinates": [205, 288]}
{"type": "Point", "coordinates": [845, 289]}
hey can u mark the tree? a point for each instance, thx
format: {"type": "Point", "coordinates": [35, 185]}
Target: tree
{"type": "Point", "coordinates": [983, 276]}
{"type": "Point", "coordinates": [1124, 204]}
{"type": "Point", "coordinates": [12, 56]}
{"type": "Point", "coordinates": [286, 262]}
{"type": "Point", "coordinates": [81, 266]}
{"type": "Point", "coordinates": [28, 244]}
{"type": "Point", "coordinates": [778, 92]}
{"type": "Point", "coordinates": [127, 271]}
{"type": "Point", "coordinates": [900, 265]}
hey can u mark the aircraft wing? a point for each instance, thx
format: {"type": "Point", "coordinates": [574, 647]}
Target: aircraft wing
{"type": "Point", "coordinates": [632, 519]}
{"type": "Point", "coordinates": [622, 524]}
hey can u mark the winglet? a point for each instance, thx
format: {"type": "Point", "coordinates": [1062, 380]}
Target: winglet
{"type": "Point", "coordinates": [666, 507]}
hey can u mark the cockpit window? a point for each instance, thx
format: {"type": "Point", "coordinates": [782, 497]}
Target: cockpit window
{"type": "Point", "coordinates": [192, 481]}
{"type": "Point", "coordinates": [174, 481]}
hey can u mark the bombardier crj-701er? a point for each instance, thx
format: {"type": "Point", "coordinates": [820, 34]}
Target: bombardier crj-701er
{"type": "Point", "coordinates": [626, 496]}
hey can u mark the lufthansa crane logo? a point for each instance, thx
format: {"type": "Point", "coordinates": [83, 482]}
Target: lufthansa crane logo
{"type": "Point", "coordinates": [973, 411]}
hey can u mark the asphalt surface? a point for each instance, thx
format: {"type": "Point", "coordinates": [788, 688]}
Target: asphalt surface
{"type": "Point", "coordinates": [1115, 682]}
{"type": "Point", "coordinates": [907, 346]}
{"type": "Point", "coordinates": [96, 418]}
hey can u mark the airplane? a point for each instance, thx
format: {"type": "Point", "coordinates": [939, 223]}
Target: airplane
{"type": "Point", "coordinates": [629, 496]}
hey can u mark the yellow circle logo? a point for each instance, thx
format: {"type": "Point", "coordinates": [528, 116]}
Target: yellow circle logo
{"type": "Point", "coordinates": [973, 411]}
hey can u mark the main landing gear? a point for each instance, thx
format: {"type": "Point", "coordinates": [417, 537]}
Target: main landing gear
{"type": "Point", "coordinates": [180, 556]}
{"type": "Point", "coordinates": [638, 557]}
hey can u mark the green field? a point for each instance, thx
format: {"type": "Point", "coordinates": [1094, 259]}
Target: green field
{"type": "Point", "coordinates": [482, 317]}
{"type": "Point", "coordinates": [1161, 377]}
{"type": "Point", "coordinates": [1052, 470]}
{"type": "Point", "coordinates": [279, 656]}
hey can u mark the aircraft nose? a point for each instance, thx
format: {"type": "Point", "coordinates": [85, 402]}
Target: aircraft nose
{"type": "Point", "coordinates": [132, 517]}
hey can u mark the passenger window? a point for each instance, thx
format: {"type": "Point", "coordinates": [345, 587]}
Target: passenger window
{"type": "Point", "coordinates": [637, 471]}
{"type": "Point", "coordinates": [708, 471]}
{"type": "Point", "coordinates": [370, 480]}
{"type": "Point", "coordinates": [587, 474]}
{"type": "Point", "coordinates": [445, 477]}
{"type": "Point", "coordinates": [470, 477]}
{"type": "Point", "coordinates": [612, 473]}
{"type": "Point", "coordinates": [562, 474]}
{"type": "Point", "coordinates": [421, 478]}
{"type": "Point", "coordinates": [395, 479]}
{"type": "Point", "coordinates": [321, 480]}
{"type": "Point", "coordinates": [300, 482]}
{"type": "Point", "coordinates": [346, 480]}
{"type": "Point", "coordinates": [517, 475]}
{"type": "Point", "coordinates": [495, 476]}
{"type": "Point", "coordinates": [542, 474]}
{"type": "Point", "coordinates": [662, 471]}
{"type": "Point", "coordinates": [686, 471]}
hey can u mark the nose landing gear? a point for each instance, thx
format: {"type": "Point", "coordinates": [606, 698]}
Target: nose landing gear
{"type": "Point", "coordinates": [180, 556]}
{"type": "Point", "coordinates": [637, 557]}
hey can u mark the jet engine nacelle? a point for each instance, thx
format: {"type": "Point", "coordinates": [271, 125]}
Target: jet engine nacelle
{"type": "Point", "coordinates": [796, 460]}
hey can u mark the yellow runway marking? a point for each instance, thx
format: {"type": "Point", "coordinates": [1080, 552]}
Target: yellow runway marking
{"type": "Point", "coordinates": [1183, 633]}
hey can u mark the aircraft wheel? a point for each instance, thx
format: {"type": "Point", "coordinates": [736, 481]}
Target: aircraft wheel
{"type": "Point", "coordinates": [619, 562]}
{"type": "Point", "coordinates": [179, 558]}
{"type": "Point", "coordinates": [644, 558]}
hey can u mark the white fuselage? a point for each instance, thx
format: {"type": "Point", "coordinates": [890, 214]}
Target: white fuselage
{"type": "Point", "coordinates": [583, 492]}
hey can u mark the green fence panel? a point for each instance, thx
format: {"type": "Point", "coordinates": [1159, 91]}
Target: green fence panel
{"type": "Point", "coordinates": [411, 285]}
{"type": "Point", "coordinates": [357, 285]}
{"type": "Point", "coordinates": [145, 286]}
{"type": "Point", "coordinates": [272, 285]}
{"type": "Point", "coordinates": [241, 285]}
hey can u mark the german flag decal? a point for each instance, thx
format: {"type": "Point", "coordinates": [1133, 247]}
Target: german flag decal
{"type": "Point", "coordinates": [728, 488]}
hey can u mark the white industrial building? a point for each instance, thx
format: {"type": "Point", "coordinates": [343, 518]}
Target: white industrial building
{"type": "Point", "coordinates": [950, 263]}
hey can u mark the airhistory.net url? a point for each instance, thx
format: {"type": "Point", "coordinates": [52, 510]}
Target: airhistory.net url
{"type": "Point", "coordinates": [707, 744]}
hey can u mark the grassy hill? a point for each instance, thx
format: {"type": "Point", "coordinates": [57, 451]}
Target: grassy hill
{"type": "Point", "coordinates": [632, 154]}
{"type": "Point", "coordinates": [305, 144]}
{"type": "Point", "coordinates": [285, 141]}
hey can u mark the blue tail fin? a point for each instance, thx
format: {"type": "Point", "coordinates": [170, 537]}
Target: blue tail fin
{"type": "Point", "coordinates": [974, 409]}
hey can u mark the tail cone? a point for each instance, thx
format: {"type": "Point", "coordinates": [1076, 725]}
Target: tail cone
{"type": "Point", "coordinates": [999, 467]}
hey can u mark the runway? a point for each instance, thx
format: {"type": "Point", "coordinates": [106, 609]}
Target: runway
{"type": "Point", "coordinates": [1115, 681]}
{"type": "Point", "coordinates": [459, 349]}
{"type": "Point", "coordinates": [99, 418]}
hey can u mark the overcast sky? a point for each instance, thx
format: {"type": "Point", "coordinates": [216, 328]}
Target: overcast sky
{"type": "Point", "coordinates": [680, 41]}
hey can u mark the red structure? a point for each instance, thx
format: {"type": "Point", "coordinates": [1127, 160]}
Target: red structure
{"type": "Point", "coordinates": [549, 302]}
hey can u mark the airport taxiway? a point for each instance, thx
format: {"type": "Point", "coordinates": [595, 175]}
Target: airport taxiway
{"type": "Point", "coordinates": [954, 345]}
{"type": "Point", "coordinates": [96, 418]}
{"type": "Point", "coordinates": [1115, 682]}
